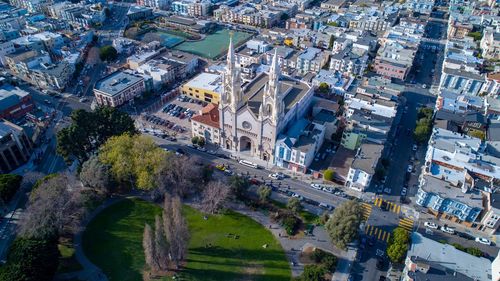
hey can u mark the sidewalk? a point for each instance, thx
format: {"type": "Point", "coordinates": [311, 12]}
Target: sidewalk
{"type": "Point", "coordinates": [293, 247]}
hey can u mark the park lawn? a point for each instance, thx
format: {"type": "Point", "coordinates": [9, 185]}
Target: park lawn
{"type": "Point", "coordinates": [229, 258]}
{"type": "Point", "coordinates": [113, 241]}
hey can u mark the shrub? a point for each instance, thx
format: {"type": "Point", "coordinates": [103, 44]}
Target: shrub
{"type": "Point", "coordinates": [290, 223]}
{"type": "Point", "coordinates": [9, 184]}
{"type": "Point", "coordinates": [475, 252]}
{"type": "Point", "coordinates": [328, 260]}
{"type": "Point", "coordinates": [328, 174]}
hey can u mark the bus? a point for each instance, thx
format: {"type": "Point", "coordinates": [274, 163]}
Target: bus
{"type": "Point", "coordinates": [248, 164]}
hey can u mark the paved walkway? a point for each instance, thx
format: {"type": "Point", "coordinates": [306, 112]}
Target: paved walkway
{"type": "Point", "coordinates": [293, 247]}
{"type": "Point", "coordinates": [90, 271]}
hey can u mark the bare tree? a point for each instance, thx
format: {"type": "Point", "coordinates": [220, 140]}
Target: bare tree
{"type": "Point", "coordinates": [96, 175]}
{"type": "Point", "coordinates": [175, 229]}
{"type": "Point", "coordinates": [54, 208]}
{"type": "Point", "coordinates": [178, 175]}
{"type": "Point", "coordinates": [149, 247]}
{"type": "Point", "coordinates": [161, 245]}
{"type": "Point", "coordinates": [215, 195]}
{"type": "Point", "coordinates": [93, 56]}
{"type": "Point", "coordinates": [181, 233]}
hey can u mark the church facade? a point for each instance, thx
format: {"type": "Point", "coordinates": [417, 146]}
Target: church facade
{"type": "Point", "coordinates": [253, 114]}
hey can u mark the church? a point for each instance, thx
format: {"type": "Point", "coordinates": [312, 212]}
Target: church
{"type": "Point", "coordinates": [253, 114]}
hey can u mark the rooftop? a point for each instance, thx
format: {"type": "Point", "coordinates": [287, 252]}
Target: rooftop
{"type": "Point", "coordinates": [367, 157]}
{"type": "Point", "coordinates": [206, 81]}
{"type": "Point", "coordinates": [209, 116]}
{"type": "Point", "coordinates": [293, 91]}
{"type": "Point", "coordinates": [450, 258]}
{"type": "Point", "coordinates": [116, 82]}
{"type": "Point", "coordinates": [10, 96]}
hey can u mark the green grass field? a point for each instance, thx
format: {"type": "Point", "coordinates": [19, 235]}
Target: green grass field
{"type": "Point", "coordinates": [113, 241]}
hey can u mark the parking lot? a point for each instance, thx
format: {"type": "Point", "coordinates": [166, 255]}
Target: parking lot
{"type": "Point", "coordinates": [174, 118]}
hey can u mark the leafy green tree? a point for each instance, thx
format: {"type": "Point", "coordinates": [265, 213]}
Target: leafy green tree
{"type": "Point", "coordinates": [313, 272]}
{"type": "Point", "coordinates": [89, 130]}
{"type": "Point", "coordinates": [294, 205]}
{"type": "Point", "coordinates": [239, 186]}
{"type": "Point", "coordinates": [475, 252]}
{"type": "Point", "coordinates": [422, 132]}
{"type": "Point", "coordinates": [201, 142]}
{"type": "Point", "coordinates": [324, 88]}
{"type": "Point", "coordinates": [133, 158]}
{"type": "Point", "coordinates": [9, 184]}
{"type": "Point", "coordinates": [343, 225]}
{"type": "Point", "coordinates": [195, 140]}
{"type": "Point", "coordinates": [398, 245]}
{"type": "Point", "coordinates": [284, 17]}
{"type": "Point", "coordinates": [31, 260]}
{"type": "Point", "coordinates": [477, 35]}
{"type": "Point", "coordinates": [332, 39]}
{"type": "Point", "coordinates": [108, 53]}
{"type": "Point", "coordinates": [328, 174]}
{"type": "Point", "coordinates": [264, 193]}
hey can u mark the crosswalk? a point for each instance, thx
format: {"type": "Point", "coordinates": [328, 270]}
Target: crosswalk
{"type": "Point", "coordinates": [377, 233]}
{"type": "Point", "coordinates": [390, 206]}
{"type": "Point", "coordinates": [367, 209]}
{"type": "Point", "coordinates": [406, 223]}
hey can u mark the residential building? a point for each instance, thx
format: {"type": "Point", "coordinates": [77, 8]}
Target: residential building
{"type": "Point", "coordinates": [254, 114]}
{"type": "Point", "coordinates": [462, 80]}
{"type": "Point", "coordinates": [363, 166]}
{"type": "Point", "coordinates": [193, 8]}
{"type": "Point", "coordinates": [431, 260]}
{"type": "Point", "coordinates": [394, 60]}
{"type": "Point", "coordinates": [295, 149]}
{"type": "Point", "coordinates": [158, 4]}
{"type": "Point", "coordinates": [52, 75]}
{"type": "Point", "coordinates": [460, 160]}
{"type": "Point", "coordinates": [6, 47]}
{"type": "Point", "coordinates": [350, 61]}
{"type": "Point", "coordinates": [160, 70]}
{"type": "Point", "coordinates": [449, 202]}
{"type": "Point", "coordinates": [458, 30]}
{"type": "Point", "coordinates": [311, 60]}
{"type": "Point", "coordinates": [206, 124]}
{"type": "Point", "coordinates": [246, 56]}
{"type": "Point", "coordinates": [491, 212]}
{"type": "Point", "coordinates": [206, 87]}
{"type": "Point", "coordinates": [14, 102]}
{"type": "Point", "coordinates": [247, 14]}
{"type": "Point", "coordinates": [492, 86]}
{"type": "Point", "coordinates": [118, 88]}
{"type": "Point", "coordinates": [419, 6]}
{"type": "Point", "coordinates": [335, 80]}
{"type": "Point", "coordinates": [332, 5]}
{"type": "Point", "coordinates": [22, 61]}
{"type": "Point", "coordinates": [15, 146]}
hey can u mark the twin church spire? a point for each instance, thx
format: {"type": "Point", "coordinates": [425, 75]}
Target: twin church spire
{"type": "Point", "coordinates": [271, 106]}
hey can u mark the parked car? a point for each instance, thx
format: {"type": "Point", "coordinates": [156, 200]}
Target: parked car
{"type": "Point", "coordinates": [448, 230]}
{"type": "Point", "coordinates": [430, 225]}
{"type": "Point", "coordinates": [483, 241]}
{"type": "Point", "coordinates": [328, 189]}
{"type": "Point", "coordinates": [316, 186]}
{"type": "Point", "coordinates": [276, 176]}
{"type": "Point", "coordinates": [415, 147]}
{"type": "Point", "coordinates": [409, 169]}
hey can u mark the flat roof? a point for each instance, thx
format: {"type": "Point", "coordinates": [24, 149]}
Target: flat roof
{"type": "Point", "coordinates": [477, 268]}
{"type": "Point", "coordinates": [368, 156]}
{"type": "Point", "coordinates": [206, 81]}
{"type": "Point", "coordinates": [116, 82]}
